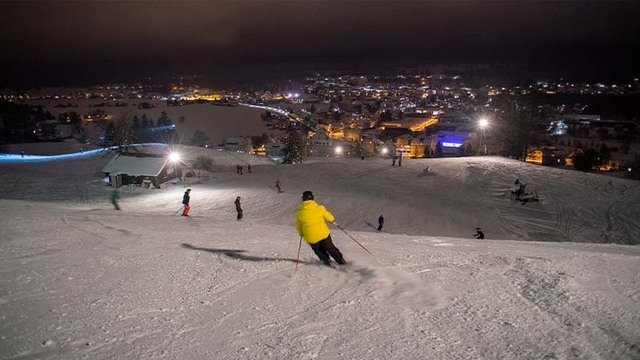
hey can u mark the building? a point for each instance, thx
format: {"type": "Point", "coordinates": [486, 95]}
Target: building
{"type": "Point", "coordinates": [238, 143]}
{"type": "Point", "coordinates": [321, 145]}
{"type": "Point", "coordinates": [449, 143]}
{"type": "Point", "coordinates": [140, 169]}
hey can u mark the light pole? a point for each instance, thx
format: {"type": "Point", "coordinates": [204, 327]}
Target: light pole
{"type": "Point", "coordinates": [483, 123]}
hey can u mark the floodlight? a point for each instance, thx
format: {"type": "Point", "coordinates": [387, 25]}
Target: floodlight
{"type": "Point", "coordinates": [174, 157]}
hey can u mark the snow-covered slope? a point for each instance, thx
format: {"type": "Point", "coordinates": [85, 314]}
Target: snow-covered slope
{"type": "Point", "coordinates": [78, 279]}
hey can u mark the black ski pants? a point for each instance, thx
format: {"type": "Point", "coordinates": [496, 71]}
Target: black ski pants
{"type": "Point", "coordinates": [324, 248]}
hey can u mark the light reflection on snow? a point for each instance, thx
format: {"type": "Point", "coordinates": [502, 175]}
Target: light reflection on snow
{"type": "Point", "coordinates": [20, 158]}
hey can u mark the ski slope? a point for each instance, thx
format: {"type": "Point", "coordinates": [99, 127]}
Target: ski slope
{"type": "Point", "coordinates": [80, 280]}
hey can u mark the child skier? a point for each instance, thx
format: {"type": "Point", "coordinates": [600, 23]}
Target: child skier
{"type": "Point", "coordinates": [185, 202]}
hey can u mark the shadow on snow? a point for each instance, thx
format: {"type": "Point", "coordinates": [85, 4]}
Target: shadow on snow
{"type": "Point", "coordinates": [238, 254]}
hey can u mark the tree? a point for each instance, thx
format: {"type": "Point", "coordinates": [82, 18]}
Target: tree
{"type": "Point", "coordinates": [76, 121]}
{"type": "Point", "coordinates": [181, 120]}
{"type": "Point", "coordinates": [118, 132]}
{"type": "Point", "coordinates": [164, 120]}
{"type": "Point", "coordinates": [514, 128]}
{"type": "Point", "coordinates": [200, 138]}
{"type": "Point", "coordinates": [203, 163]}
{"type": "Point", "coordinates": [135, 123]}
{"type": "Point", "coordinates": [293, 146]}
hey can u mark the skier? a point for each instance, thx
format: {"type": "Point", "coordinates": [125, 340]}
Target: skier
{"type": "Point", "coordinates": [240, 168]}
{"type": "Point", "coordinates": [115, 196]}
{"type": "Point", "coordinates": [238, 208]}
{"type": "Point", "coordinates": [249, 168]}
{"type": "Point", "coordinates": [380, 222]}
{"type": "Point", "coordinates": [400, 160]}
{"type": "Point", "coordinates": [185, 202]}
{"type": "Point", "coordinates": [479, 234]}
{"type": "Point", "coordinates": [237, 168]}
{"type": "Point", "coordinates": [310, 224]}
{"type": "Point", "coordinates": [393, 162]}
{"type": "Point", "coordinates": [278, 186]}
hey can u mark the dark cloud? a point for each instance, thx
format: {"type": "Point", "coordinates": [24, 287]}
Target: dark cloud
{"type": "Point", "coordinates": [78, 40]}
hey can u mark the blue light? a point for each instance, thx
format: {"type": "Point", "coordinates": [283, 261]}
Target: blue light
{"type": "Point", "coordinates": [450, 144]}
{"type": "Point", "coordinates": [19, 158]}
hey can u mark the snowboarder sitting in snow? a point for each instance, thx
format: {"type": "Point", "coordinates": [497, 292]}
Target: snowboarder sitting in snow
{"type": "Point", "coordinates": [311, 225]}
{"type": "Point", "coordinates": [528, 199]}
{"type": "Point", "coordinates": [185, 202]}
{"type": "Point", "coordinates": [518, 189]}
{"type": "Point", "coordinates": [479, 234]}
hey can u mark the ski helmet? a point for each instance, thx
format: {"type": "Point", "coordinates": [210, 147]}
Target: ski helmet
{"type": "Point", "coordinates": [307, 195]}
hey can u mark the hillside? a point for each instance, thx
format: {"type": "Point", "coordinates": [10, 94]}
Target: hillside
{"type": "Point", "coordinates": [79, 279]}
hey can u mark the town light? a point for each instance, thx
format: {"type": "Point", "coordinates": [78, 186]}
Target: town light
{"type": "Point", "coordinates": [174, 157]}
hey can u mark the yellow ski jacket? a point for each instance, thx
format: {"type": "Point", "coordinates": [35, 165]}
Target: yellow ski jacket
{"type": "Point", "coordinates": [310, 221]}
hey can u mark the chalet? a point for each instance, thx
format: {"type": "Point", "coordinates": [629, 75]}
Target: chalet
{"type": "Point", "coordinates": [140, 169]}
{"type": "Point", "coordinates": [238, 143]}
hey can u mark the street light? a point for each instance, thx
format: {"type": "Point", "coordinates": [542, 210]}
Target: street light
{"type": "Point", "coordinates": [483, 123]}
{"type": "Point", "coordinates": [174, 157]}
{"type": "Point", "coordinates": [385, 151]}
{"type": "Point", "coordinates": [338, 150]}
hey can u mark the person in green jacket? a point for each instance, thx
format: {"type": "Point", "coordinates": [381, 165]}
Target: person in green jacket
{"type": "Point", "coordinates": [115, 196]}
{"type": "Point", "coordinates": [311, 224]}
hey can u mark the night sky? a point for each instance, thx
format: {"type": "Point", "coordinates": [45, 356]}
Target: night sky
{"type": "Point", "coordinates": [51, 43]}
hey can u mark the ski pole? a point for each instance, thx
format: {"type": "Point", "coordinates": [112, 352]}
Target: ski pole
{"type": "Point", "coordinates": [352, 238]}
{"type": "Point", "coordinates": [298, 257]}
{"type": "Point", "coordinates": [177, 211]}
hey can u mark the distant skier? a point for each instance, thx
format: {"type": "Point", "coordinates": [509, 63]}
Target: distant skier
{"type": "Point", "coordinates": [238, 208]}
{"type": "Point", "coordinates": [400, 160]}
{"type": "Point", "coordinates": [479, 234]}
{"type": "Point", "coordinates": [393, 162]}
{"type": "Point", "coordinates": [380, 223]}
{"type": "Point", "coordinates": [185, 202]}
{"type": "Point", "coordinates": [311, 224]}
{"type": "Point", "coordinates": [237, 168]}
{"type": "Point", "coordinates": [240, 168]}
{"type": "Point", "coordinates": [249, 168]}
{"type": "Point", "coordinates": [278, 186]}
{"type": "Point", "coordinates": [115, 196]}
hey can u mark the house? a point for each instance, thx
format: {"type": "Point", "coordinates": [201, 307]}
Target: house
{"type": "Point", "coordinates": [321, 145]}
{"type": "Point", "coordinates": [140, 169]}
{"type": "Point", "coordinates": [238, 143]}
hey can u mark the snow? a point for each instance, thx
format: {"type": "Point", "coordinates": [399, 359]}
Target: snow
{"type": "Point", "coordinates": [136, 166]}
{"type": "Point", "coordinates": [81, 280]}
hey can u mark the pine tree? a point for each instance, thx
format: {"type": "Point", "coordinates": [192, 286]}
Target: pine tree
{"type": "Point", "coordinates": [293, 146]}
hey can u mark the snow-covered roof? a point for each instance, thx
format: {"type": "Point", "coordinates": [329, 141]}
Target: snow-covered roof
{"type": "Point", "coordinates": [137, 166]}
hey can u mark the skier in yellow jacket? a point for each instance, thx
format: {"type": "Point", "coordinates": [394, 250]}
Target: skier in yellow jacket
{"type": "Point", "coordinates": [310, 224]}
